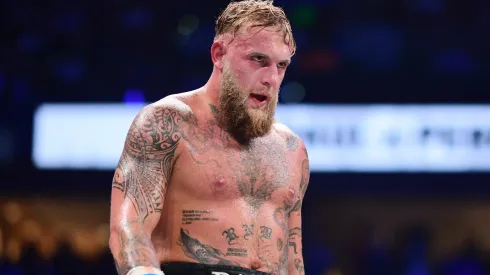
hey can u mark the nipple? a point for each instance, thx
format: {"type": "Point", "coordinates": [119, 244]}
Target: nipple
{"type": "Point", "coordinates": [291, 193]}
{"type": "Point", "coordinates": [219, 186]}
{"type": "Point", "coordinates": [220, 183]}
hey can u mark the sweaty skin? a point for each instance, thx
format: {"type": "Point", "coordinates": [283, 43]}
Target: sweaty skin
{"type": "Point", "coordinates": [185, 190]}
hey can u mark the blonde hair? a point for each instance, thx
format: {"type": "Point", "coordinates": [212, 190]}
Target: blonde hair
{"type": "Point", "coordinates": [254, 13]}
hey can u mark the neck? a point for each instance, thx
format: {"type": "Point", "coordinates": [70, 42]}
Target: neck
{"type": "Point", "coordinates": [211, 90]}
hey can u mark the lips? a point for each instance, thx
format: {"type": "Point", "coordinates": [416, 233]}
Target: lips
{"type": "Point", "coordinates": [259, 97]}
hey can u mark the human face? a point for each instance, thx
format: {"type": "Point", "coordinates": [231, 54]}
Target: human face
{"type": "Point", "coordinates": [254, 68]}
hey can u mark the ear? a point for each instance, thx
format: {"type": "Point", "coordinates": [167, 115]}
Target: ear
{"type": "Point", "coordinates": [218, 51]}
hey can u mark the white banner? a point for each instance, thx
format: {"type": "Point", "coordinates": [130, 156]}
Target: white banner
{"type": "Point", "coordinates": [357, 138]}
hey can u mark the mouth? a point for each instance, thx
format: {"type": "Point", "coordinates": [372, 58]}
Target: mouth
{"type": "Point", "coordinates": [258, 97]}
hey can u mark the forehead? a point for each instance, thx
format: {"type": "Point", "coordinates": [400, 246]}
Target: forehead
{"type": "Point", "coordinates": [268, 40]}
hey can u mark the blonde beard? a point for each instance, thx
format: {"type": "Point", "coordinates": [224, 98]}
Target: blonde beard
{"type": "Point", "coordinates": [241, 122]}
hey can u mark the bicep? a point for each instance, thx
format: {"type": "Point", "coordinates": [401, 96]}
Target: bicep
{"type": "Point", "coordinates": [295, 216]}
{"type": "Point", "coordinates": [143, 171]}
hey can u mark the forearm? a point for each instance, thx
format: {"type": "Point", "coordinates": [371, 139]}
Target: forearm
{"type": "Point", "coordinates": [296, 265]}
{"type": "Point", "coordinates": [132, 247]}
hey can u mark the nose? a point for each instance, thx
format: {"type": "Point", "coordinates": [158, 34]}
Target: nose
{"type": "Point", "coordinates": [271, 77]}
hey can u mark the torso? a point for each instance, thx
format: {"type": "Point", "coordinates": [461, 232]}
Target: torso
{"type": "Point", "coordinates": [226, 203]}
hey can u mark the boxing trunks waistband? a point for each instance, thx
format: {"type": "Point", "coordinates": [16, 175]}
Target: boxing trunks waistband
{"type": "Point", "coordinates": [184, 268]}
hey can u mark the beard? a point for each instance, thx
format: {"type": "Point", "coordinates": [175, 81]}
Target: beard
{"type": "Point", "coordinates": [242, 122]}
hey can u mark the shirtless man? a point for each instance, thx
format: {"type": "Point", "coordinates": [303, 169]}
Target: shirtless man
{"type": "Point", "coordinates": [208, 182]}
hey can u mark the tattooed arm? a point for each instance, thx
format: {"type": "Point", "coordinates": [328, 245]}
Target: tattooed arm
{"type": "Point", "coordinates": [295, 265]}
{"type": "Point", "coordinates": [139, 186]}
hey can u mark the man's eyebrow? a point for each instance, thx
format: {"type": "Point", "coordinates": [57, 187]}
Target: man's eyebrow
{"type": "Point", "coordinates": [287, 61]}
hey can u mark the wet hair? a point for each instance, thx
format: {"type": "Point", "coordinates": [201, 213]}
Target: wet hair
{"type": "Point", "coordinates": [240, 15]}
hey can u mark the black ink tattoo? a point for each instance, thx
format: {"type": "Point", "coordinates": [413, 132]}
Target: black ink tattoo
{"type": "Point", "coordinates": [264, 168]}
{"type": "Point", "coordinates": [294, 234]}
{"type": "Point", "coordinates": [264, 255]}
{"type": "Point", "coordinates": [200, 252]}
{"type": "Point", "coordinates": [135, 248]}
{"type": "Point", "coordinates": [230, 235]}
{"type": "Point", "coordinates": [190, 216]}
{"type": "Point", "coordinates": [279, 244]}
{"type": "Point", "coordinates": [296, 207]}
{"type": "Point", "coordinates": [305, 177]}
{"type": "Point", "coordinates": [249, 230]}
{"type": "Point", "coordinates": [260, 167]}
{"type": "Point", "coordinates": [292, 142]}
{"type": "Point", "coordinates": [299, 266]}
{"type": "Point", "coordinates": [237, 252]}
{"type": "Point", "coordinates": [145, 165]}
{"type": "Point", "coordinates": [280, 218]}
{"type": "Point", "coordinates": [214, 109]}
{"type": "Point", "coordinates": [265, 232]}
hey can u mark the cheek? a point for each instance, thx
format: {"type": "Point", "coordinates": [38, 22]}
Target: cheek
{"type": "Point", "coordinates": [245, 79]}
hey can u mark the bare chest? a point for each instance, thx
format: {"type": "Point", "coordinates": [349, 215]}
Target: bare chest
{"type": "Point", "coordinates": [217, 170]}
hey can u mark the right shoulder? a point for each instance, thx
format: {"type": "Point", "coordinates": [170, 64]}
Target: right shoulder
{"type": "Point", "coordinates": [170, 109]}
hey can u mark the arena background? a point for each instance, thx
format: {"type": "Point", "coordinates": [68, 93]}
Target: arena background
{"type": "Point", "coordinates": [391, 96]}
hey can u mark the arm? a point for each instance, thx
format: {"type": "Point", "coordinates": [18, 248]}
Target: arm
{"type": "Point", "coordinates": [139, 186]}
{"type": "Point", "coordinates": [295, 265]}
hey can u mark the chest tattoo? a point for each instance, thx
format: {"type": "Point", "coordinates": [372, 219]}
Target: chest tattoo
{"type": "Point", "coordinates": [258, 169]}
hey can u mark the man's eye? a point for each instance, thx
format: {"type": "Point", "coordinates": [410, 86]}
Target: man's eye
{"type": "Point", "coordinates": [258, 58]}
{"type": "Point", "coordinates": [282, 65]}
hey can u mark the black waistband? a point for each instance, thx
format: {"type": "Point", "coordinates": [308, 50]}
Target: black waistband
{"type": "Point", "coordinates": [181, 268]}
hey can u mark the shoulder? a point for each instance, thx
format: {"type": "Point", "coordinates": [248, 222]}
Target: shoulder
{"type": "Point", "coordinates": [292, 141]}
{"type": "Point", "coordinates": [294, 144]}
{"type": "Point", "coordinates": [171, 109]}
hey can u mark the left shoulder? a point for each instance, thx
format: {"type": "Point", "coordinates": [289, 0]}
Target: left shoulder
{"type": "Point", "coordinates": [291, 140]}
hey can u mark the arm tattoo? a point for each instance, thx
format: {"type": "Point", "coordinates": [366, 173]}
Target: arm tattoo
{"type": "Point", "coordinates": [135, 247]}
{"type": "Point", "coordinates": [292, 239]}
{"type": "Point", "coordinates": [305, 176]}
{"type": "Point", "coordinates": [299, 266]}
{"type": "Point", "coordinates": [145, 166]}
{"type": "Point", "coordinates": [142, 175]}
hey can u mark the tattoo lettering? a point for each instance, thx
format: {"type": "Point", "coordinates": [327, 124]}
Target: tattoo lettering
{"type": "Point", "coordinates": [200, 252]}
{"type": "Point", "coordinates": [279, 244]}
{"type": "Point", "coordinates": [299, 266]}
{"type": "Point", "coordinates": [249, 230]}
{"type": "Point", "coordinates": [135, 248]}
{"type": "Point", "coordinates": [294, 238]}
{"type": "Point", "coordinates": [190, 216]}
{"type": "Point", "coordinates": [265, 232]}
{"type": "Point", "coordinates": [230, 235]}
{"type": "Point", "coordinates": [237, 252]}
{"type": "Point", "coordinates": [145, 165]}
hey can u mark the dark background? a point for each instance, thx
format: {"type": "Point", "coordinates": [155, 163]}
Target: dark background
{"type": "Point", "coordinates": [349, 52]}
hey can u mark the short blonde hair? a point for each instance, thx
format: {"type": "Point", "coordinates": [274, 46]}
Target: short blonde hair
{"type": "Point", "coordinates": [254, 13]}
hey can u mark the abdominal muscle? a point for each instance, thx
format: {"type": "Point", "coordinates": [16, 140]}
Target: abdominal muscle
{"type": "Point", "coordinates": [223, 233]}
